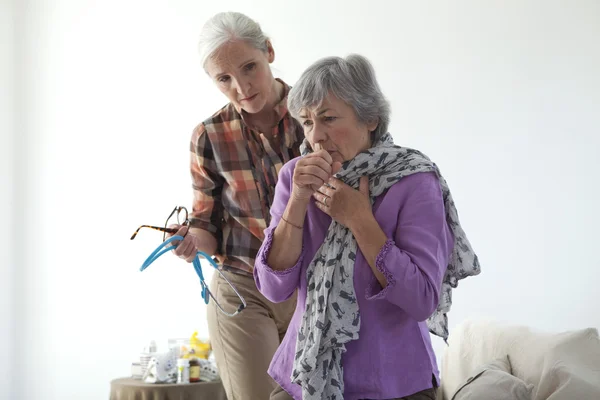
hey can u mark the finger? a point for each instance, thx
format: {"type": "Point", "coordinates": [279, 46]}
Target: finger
{"type": "Point", "coordinates": [314, 161]}
{"type": "Point", "coordinates": [323, 199]}
{"type": "Point", "coordinates": [191, 255]}
{"type": "Point", "coordinates": [326, 190]}
{"type": "Point", "coordinates": [190, 251]}
{"type": "Point", "coordinates": [178, 251]}
{"type": "Point", "coordinates": [182, 247]}
{"type": "Point", "coordinates": [172, 226]}
{"type": "Point", "coordinates": [363, 185]}
{"type": "Point", "coordinates": [316, 171]}
{"type": "Point", "coordinates": [335, 183]}
{"type": "Point", "coordinates": [315, 188]}
{"type": "Point", "coordinates": [180, 232]}
{"type": "Point", "coordinates": [335, 167]}
{"type": "Point", "coordinates": [324, 154]}
{"type": "Point", "coordinates": [309, 181]}
{"type": "Point", "coordinates": [322, 207]}
{"type": "Point", "coordinates": [187, 248]}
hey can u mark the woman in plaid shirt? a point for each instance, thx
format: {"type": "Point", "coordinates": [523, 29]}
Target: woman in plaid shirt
{"type": "Point", "coordinates": [236, 156]}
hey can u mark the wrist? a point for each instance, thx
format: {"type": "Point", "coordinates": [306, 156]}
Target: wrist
{"type": "Point", "coordinates": [299, 199]}
{"type": "Point", "coordinates": [296, 211]}
{"type": "Point", "coordinates": [361, 222]}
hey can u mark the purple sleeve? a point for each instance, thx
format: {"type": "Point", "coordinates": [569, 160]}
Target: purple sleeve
{"type": "Point", "coordinates": [415, 260]}
{"type": "Point", "coordinates": [277, 286]}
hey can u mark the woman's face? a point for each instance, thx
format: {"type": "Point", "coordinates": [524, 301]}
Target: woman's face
{"type": "Point", "coordinates": [242, 73]}
{"type": "Point", "coordinates": [333, 126]}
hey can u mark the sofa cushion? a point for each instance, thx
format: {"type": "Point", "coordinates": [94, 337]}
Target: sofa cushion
{"type": "Point", "coordinates": [560, 366]}
{"type": "Point", "coordinates": [494, 381]}
{"type": "Point", "coordinates": [571, 367]}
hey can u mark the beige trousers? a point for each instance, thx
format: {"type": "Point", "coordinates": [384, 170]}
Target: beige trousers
{"type": "Point", "coordinates": [244, 345]}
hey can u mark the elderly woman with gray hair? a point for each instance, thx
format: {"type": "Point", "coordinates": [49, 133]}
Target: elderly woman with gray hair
{"type": "Point", "coordinates": [368, 233]}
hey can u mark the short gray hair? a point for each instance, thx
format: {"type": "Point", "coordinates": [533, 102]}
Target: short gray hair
{"type": "Point", "coordinates": [352, 80]}
{"type": "Point", "coordinates": [228, 27]}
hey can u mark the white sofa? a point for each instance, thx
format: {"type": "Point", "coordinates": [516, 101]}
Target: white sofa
{"type": "Point", "coordinates": [558, 365]}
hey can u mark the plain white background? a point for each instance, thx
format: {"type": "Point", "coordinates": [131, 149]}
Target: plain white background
{"type": "Point", "coordinates": [99, 99]}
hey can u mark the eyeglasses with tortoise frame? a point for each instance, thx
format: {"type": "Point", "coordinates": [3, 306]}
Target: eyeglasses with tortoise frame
{"type": "Point", "coordinates": [206, 293]}
{"type": "Point", "coordinates": [177, 212]}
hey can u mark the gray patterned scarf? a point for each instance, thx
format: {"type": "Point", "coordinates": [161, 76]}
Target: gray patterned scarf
{"type": "Point", "coordinates": [331, 318]}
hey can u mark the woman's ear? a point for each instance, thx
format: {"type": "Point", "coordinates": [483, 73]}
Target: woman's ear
{"type": "Point", "coordinates": [371, 126]}
{"type": "Point", "coordinates": [270, 52]}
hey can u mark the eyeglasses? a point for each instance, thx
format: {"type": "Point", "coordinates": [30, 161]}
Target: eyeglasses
{"type": "Point", "coordinates": [177, 212]}
{"type": "Point", "coordinates": [162, 249]}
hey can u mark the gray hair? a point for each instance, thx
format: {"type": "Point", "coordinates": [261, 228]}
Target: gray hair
{"type": "Point", "coordinates": [352, 80]}
{"type": "Point", "coordinates": [228, 27]}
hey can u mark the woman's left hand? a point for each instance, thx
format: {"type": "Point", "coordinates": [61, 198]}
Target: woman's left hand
{"type": "Point", "coordinates": [343, 203]}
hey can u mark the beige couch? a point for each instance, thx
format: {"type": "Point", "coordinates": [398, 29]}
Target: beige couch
{"type": "Point", "coordinates": [554, 366]}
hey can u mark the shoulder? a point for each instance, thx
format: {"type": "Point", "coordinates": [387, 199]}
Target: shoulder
{"type": "Point", "coordinates": [221, 117]}
{"type": "Point", "coordinates": [417, 182]}
{"type": "Point", "coordinates": [417, 187]}
{"type": "Point", "coordinates": [218, 124]}
{"type": "Point", "coordinates": [416, 198]}
{"type": "Point", "coordinates": [418, 179]}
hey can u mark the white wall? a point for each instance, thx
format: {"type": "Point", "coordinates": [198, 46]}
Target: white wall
{"type": "Point", "coordinates": [7, 124]}
{"type": "Point", "coordinates": [503, 95]}
{"type": "Point", "coordinates": [25, 266]}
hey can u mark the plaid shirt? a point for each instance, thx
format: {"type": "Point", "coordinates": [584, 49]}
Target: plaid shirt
{"type": "Point", "coordinates": [234, 171]}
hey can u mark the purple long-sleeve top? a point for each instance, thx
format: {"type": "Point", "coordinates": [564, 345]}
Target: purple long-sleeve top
{"type": "Point", "coordinates": [393, 356]}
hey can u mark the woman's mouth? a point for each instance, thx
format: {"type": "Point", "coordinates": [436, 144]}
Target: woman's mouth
{"type": "Point", "coordinates": [250, 98]}
{"type": "Point", "coordinates": [335, 155]}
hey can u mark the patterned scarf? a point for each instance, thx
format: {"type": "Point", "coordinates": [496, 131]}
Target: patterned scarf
{"type": "Point", "coordinates": [331, 318]}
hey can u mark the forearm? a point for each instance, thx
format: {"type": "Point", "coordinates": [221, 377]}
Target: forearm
{"type": "Point", "coordinates": [370, 238]}
{"type": "Point", "coordinates": [287, 238]}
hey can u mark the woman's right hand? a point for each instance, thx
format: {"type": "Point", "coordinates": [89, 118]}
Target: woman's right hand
{"type": "Point", "coordinates": [311, 172]}
{"type": "Point", "coordinates": [188, 247]}
{"type": "Point", "coordinates": [194, 240]}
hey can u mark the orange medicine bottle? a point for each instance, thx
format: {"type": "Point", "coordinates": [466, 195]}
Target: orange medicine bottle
{"type": "Point", "coordinates": [194, 370]}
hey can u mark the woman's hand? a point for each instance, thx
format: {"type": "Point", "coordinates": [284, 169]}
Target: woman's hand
{"type": "Point", "coordinates": [343, 203]}
{"type": "Point", "coordinates": [311, 173]}
{"type": "Point", "coordinates": [193, 240]}
{"type": "Point", "coordinates": [352, 208]}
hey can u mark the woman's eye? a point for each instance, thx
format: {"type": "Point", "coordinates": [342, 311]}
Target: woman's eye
{"type": "Point", "coordinates": [250, 67]}
{"type": "Point", "coordinates": [307, 123]}
{"type": "Point", "coordinates": [223, 79]}
{"type": "Point", "coordinates": [329, 119]}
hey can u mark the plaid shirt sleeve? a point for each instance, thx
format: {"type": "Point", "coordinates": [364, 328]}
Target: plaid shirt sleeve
{"type": "Point", "coordinates": [207, 184]}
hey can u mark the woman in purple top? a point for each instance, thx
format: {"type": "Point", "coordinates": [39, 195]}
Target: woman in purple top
{"type": "Point", "coordinates": [368, 234]}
